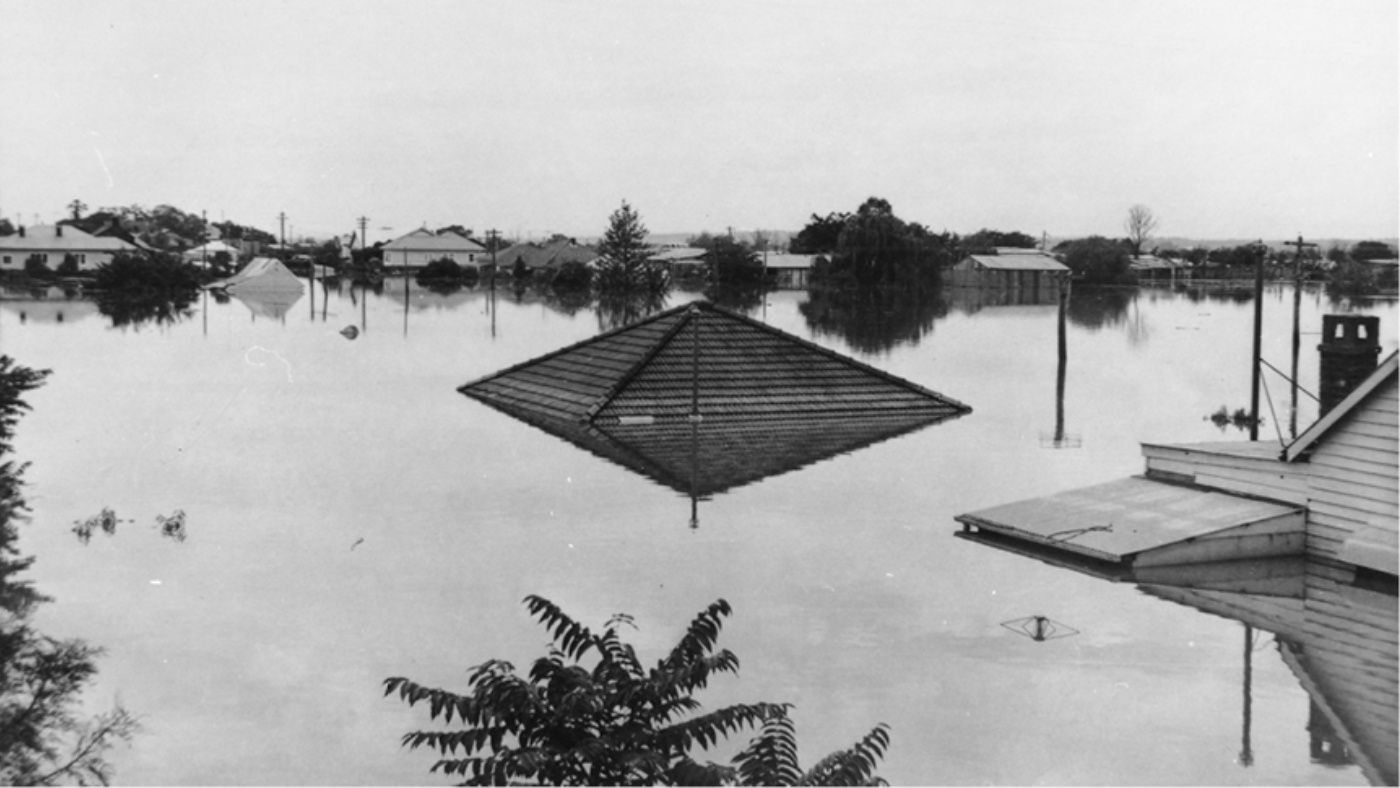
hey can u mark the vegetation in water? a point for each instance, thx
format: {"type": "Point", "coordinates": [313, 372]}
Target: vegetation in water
{"type": "Point", "coordinates": [589, 713]}
{"type": "Point", "coordinates": [43, 738]}
{"type": "Point", "coordinates": [446, 275]}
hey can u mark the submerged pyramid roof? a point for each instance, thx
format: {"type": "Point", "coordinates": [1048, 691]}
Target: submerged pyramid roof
{"type": "Point", "coordinates": [701, 360]}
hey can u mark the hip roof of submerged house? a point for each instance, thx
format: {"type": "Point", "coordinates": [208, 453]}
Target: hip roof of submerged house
{"type": "Point", "coordinates": [698, 359]}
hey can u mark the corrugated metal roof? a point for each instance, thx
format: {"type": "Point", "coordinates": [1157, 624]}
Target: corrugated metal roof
{"type": "Point", "coordinates": [1018, 262]}
{"type": "Point", "coordinates": [790, 261]}
{"type": "Point", "coordinates": [1125, 518]}
{"type": "Point", "coordinates": [679, 254]}
{"type": "Point", "coordinates": [699, 358]}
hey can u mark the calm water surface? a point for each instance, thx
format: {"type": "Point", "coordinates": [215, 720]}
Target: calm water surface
{"type": "Point", "coordinates": [352, 517]}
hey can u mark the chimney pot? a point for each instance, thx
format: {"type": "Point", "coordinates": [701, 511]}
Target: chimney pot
{"type": "Point", "coordinates": [1351, 346]}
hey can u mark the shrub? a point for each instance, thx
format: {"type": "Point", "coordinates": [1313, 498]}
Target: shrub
{"type": "Point", "coordinates": [613, 722]}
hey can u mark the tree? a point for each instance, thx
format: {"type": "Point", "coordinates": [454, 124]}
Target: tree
{"type": "Point", "coordinates": [820, 236]}
{"type": "Point", "coordinates": [77, 207]}
{"type": "Point", "coordinates": [1098, 260]}
{"type": "Point", "coordinates": [43, 741]}
{"type": "Point", "coordinates": [6, 228]}
{"type": "Point", "coordinates": [877, 247]}
{"type": "Point", "coordinates": [1140, 224]}
{"type": "Point", "coordinates": [623, 266]}
{"type": "Point", "coordinates": [36, 268]}
{"type": "Point", "coordinates": [984, 240]}
{"type": "Point", "coordinates": [1372, 250]}
{"type": "Point", "coordinates": [613, 722]}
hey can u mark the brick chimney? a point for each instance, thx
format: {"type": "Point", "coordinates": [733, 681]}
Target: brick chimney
{"type": "Point", "coordinates": [58, 231]}
{"type": "Point", "coordinates": [1351, 346]}
{"type": "Point", "coordinates": [21, 231]}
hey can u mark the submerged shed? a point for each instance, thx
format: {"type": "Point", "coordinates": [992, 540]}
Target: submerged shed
{"type": "Point", "coordinates": [702, 361]}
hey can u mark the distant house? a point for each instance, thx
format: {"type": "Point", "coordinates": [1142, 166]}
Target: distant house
{"type": "Point", "coordinates": [1152, 267]}
{"type": "Point", "coordinates": [545, 256]}
{"type": "Point", "coordinates": [790, 270]}
{"type": "Point", "coordinates": [683, 260]}
{"type": "Point", "coordinates": [52, 243]}
{"type": "Point", "coordinates": [422, 246]}
{"type": "Point", "coordinates": [1027, 269]}
{"type": "Point", "coordinates": [204, 254]}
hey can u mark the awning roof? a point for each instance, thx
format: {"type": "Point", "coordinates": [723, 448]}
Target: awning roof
{"type": "Point", "coordinates": [1124, 519]}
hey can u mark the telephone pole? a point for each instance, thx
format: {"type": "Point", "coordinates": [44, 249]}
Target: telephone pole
{"type": "Point", "coordinates": [364, 220]}
{"type": "Point", "coordinates": [1298, 246]}
{"type": "Point", "coordinates": [282, 231]}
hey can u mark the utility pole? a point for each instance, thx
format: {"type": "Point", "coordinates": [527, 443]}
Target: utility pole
{"type": "Point", "coordinates": [1298, 245]}
{"type": "Point", "coordinates": [1259, 253]}
{"type": "Point", "coordinates": [364, 220]}
{"type": "Point", "coordinates": [282, 231]}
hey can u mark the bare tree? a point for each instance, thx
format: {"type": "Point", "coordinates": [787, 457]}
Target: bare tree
{"type": "Point", "coordinates": [1139, 224]}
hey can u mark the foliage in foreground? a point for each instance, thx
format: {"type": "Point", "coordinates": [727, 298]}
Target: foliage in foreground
{"type": "Point", "coordinates": [613, 722]}
{"type": "Point", "coordinates": [42, 739]}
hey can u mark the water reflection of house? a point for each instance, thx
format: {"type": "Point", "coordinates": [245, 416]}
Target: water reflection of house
{"type": "Point", "coordinates": [1331, 491]}
{"type": "Point", "coordinates": [422, 246]}
{"type": "Point", "coordinates": [1008, 268]}
{"type": "Point", "coordinates": [52, 243]}
{"type": "Point", "coordinates": [703, 400]}
{"type": "Point", "coordinates": [54, 306]}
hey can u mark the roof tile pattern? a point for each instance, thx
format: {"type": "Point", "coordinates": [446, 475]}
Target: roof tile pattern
{"type": "Point", "coordinates": [701, 359]}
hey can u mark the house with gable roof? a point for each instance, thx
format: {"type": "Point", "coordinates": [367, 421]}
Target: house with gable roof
{"type": "Point", "coordinates": [52, 243]}
{"type": "Point", "coordinates": [422, 246]}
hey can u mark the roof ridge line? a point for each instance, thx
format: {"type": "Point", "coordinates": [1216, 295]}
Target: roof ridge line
{"type": "Point", "coordinates": [636, 369]}
{"type": "Point", "coordinates": [462, 389]}
{"type": "Point", "coordinates": [847, 360]}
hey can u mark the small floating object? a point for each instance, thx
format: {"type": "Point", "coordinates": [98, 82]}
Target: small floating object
{"type": "Point", "coordinates": [349, 332]}
{"type": "Point", "coordinates": [1040, 628]}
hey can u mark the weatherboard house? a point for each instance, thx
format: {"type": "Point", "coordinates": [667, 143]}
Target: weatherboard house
{"type": "Point", "coordinates": [1330, 494]}
{"type": "Point", "coordinates": [1008, 267]}
{"type": "Point", "coordinates": [53, 243]}
{"type": "Point", "coordinates": [422, 246]}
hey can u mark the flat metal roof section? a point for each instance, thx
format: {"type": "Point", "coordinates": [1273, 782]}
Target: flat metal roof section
{"type": "Point", "coordinates": [1140, 522]}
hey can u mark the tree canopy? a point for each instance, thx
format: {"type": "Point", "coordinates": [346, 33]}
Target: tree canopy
{"type": "Point", "coordinates": [1098, 260]}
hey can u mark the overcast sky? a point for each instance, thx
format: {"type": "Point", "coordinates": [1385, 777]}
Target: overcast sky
{"type": "Point", "coordinates": [1228, 119]}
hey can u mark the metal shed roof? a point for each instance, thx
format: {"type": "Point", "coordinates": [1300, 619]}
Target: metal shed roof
{"type": "Point", "coordinates": [1018, 262]}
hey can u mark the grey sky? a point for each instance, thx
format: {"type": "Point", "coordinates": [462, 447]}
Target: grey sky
{"type": "Point", "coordinates": [1228, 119]}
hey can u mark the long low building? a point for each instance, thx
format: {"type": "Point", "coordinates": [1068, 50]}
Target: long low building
{"type": "Point", "coordinates": [1006, 267]}
{"type": "Point", "coordinates": [54, 243]}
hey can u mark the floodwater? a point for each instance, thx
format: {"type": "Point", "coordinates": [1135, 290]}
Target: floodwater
{"type": "Point", "coordinates": [350, 517]}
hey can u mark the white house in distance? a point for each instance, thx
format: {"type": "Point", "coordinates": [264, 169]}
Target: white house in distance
{"type": "Point", "coordinates": [422, 246]}
{"type": "Point", "coordinates": [54, 242]}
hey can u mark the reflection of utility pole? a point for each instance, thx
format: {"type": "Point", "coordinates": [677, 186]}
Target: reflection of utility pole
{"type": "Point", "coordinates": [1297, 307]}
{"type": "Point", "coordinates": [1060, 370]}
{"type": "Point", "coordinates": [1246, 750]}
